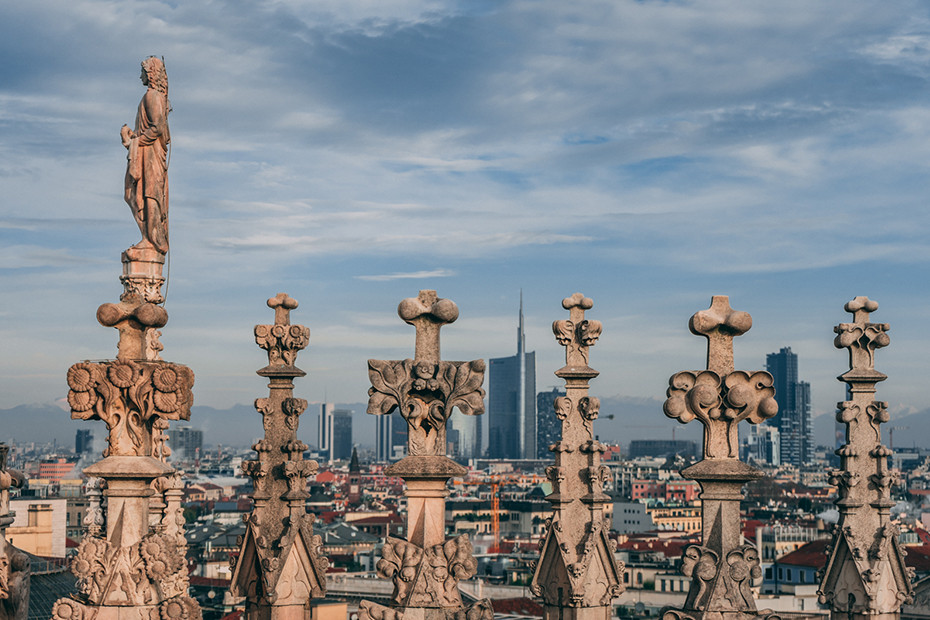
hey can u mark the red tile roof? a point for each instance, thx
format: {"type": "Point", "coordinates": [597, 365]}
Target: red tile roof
{"type": "Point", "coordinates": [517, 606]}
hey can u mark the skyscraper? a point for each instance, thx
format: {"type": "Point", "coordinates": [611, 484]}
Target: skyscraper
{"type": "Point", "coordinates": [512, 402]}
{"type": "Point", "coordinates": [185, 442]}
{"type": "Point", "coordinates": [324, 434]}
{"type": "Point", "coordinates": [548, 425]}
{"type": "Point", "coordinates": [794, 407]}
{"type": "Point", "coordinates": [341, 434]}
{"type": "Point", "coordinates": [83, 440]}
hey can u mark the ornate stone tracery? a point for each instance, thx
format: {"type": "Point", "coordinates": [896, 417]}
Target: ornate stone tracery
{"type": "Point", "coordinates": [865, 575]}
{"type": "Point", "coordinates": [721, 569]}
{"type": "Point", "coordinates": [426, 568]}
{"type": "Point", "coordinates": [577, 576]}
{"type": "Point", "coordinates": [280, 566]}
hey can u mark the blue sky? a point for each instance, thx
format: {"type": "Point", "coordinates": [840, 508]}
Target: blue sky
{"type": "Point", "coordinates": [649, 154]}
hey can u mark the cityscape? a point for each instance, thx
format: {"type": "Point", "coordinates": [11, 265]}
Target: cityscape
{"type": "Point", "coordinates": [500, 503]}
{"type": "Point", "coordinates": [429, 272]}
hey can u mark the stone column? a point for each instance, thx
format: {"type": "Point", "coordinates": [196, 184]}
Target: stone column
{"type": "Point", "coordinates": [14, 564]}
{"type": "Point", "coordinates": [721, 569]}
{"type": "Point", "coordinates": [426, 568]}
{"type": "Point", "coordinates": [577, 575]}
{"type": "Point", "coordinates": [131, 562]}
{"type": "Point", "coordinates": [280, 566]}
{"type": "Point", "coordinates": [865, 576]}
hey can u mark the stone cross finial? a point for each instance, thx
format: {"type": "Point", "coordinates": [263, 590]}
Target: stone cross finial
{"type": "Point", "coordinates": [282, 306]}
{"type": "Point", "coordinates": [719, 396]}
{"type": "Point", "coordinates": [860, 336]}
{"type": "Point", "coordinates": [720, 324]}
{"type": "Point", "coordinates": [426, 388]}
{"type": "Point", "coordinates": [576, 334]}
{"type": "Point", "coordinates": [722, 566]}
{"type": "Point", "coordinates": [427, 313]}
{"type": "Point", "coordinates": [426, 567]}
{"type": "Point", "coordinates": [865, 575]}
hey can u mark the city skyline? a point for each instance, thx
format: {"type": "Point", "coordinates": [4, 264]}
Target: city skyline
{"type": "Point", "coordinates": [351, 154]}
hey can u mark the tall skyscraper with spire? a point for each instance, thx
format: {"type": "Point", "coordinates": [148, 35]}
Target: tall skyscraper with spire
{"type": "Point", "coordinates": [512, 401]}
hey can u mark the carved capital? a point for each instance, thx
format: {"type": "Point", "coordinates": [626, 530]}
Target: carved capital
{"type": "Point", "coordinates": [425, 393]}
{"type": "Point", "coordinates": [131, 397]}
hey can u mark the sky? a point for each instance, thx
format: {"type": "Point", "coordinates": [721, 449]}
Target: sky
{"type": "Point", "coordinates": [350, 153]}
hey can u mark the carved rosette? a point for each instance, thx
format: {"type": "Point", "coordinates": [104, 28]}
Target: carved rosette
{"type": "Point", "coordinates": [131, 397]}
{"type": "Point", "coordinates": [152, 570]}
{"type": "Point", "coordinates": [865, 573]}
{"type": "Point", "coordinates": [425, 393]}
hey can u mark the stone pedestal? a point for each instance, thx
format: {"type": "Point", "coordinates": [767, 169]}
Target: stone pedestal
{"type": "Point", "coordinates": [426, 568]}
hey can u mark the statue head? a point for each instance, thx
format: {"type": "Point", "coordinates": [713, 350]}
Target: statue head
{"type": "Point", "coordinates": [155, 76]}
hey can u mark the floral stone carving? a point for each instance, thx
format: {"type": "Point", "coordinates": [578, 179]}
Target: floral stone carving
{"type": "Point", "coordinates": [577, 575]}
{"type": "Point", "coordinates": [280, 565]}
{"type": "Point", "coordinates": [720, 397]}
{"type": "Point", "coordinates": [865, 575]}
{"type": "Point", "coordinates": [426, 568]}
{"type": "Point", "coordinates": [130, 397]}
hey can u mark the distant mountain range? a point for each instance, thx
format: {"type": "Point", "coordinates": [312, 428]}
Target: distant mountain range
{"type": "Point", "coordinates": [621, 420]}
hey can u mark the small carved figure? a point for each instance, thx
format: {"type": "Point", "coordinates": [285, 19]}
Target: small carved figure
{"type": "Point", "coordinates": [147, 167]}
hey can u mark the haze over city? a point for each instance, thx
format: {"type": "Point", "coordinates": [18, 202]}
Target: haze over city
{"type": "Point", "coordinates": [647, 154]}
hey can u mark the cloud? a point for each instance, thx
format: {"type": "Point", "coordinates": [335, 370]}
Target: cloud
{"type": "Point", "coordinates": [414, 275]}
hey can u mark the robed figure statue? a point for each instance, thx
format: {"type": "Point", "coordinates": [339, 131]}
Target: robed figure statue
{"type": "Point", "coordinates": [147, 167]}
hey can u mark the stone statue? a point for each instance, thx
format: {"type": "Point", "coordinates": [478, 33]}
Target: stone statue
{"type": "Point", "coordinates": [147, 167]}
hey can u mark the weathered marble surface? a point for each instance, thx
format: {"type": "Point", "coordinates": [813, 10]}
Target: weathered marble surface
{"type": "Point", "coordinates": [426, 568]}
{"type": "Point", "coordinates": [577, 576]}
{"type": "Point", "coordinates": [280, 566]}
{"type": "Point", "coordinates": [865, 575]}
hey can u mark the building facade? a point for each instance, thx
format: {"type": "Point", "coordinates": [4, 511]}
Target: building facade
{"type": "Point", "coordinates": [324, 431]}
{"type": "Point", "coordinates": [185, 442]}
{"type": "Point", "coordinates": [342, 435]}
{"type": "Point", "coordinates": [512, 402]}
{"type": "Point", "coordinates": [794, 407]}
{"type": "Point", "coordinates": [548, 425]}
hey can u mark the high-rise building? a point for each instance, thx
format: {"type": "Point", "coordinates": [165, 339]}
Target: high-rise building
{"type": "Point", "coordinates": [185, 442]}
{"type": "Point", "coordinates": [342, 434]}
{"type": "Point", "coordinates": [762, 444]}
{"type": "Point", "coordinates": [463, 436]}
{"type": "Point", "coordinates": [390, 437]}
{"type": "Point", "coordinates": [548, 425]}
{"type": "Point", "coordinates": [794, 407]}
{"type": "Point", "coordinates": [324, 431]}
{"type": "Point", "coordinates": [512, 402]}
{"type": "Point", "coordinates": [83, 441]}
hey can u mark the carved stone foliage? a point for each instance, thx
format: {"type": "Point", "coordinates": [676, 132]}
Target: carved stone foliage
{"type": "Point", "coordinates": [720, 405]}
{"type": "Point", "coordinates": [427, 577]}
{"type": "Point", "coordinates": [426, 389]}
{"type": "Point", "coordinates": [151, 572]}
{"type": "Point", "coordinates": [592, 578]}
{"type": "Point", "coordinates": [280, 562]}
{"type": "Point", "coordinates": [865, 572]}
{"type": "Point", "coordinates": [15, 575]}
{"type": "Point", "coordinates": [130, 397]}
{"type": "Point", "coordinates": [425, 393]}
